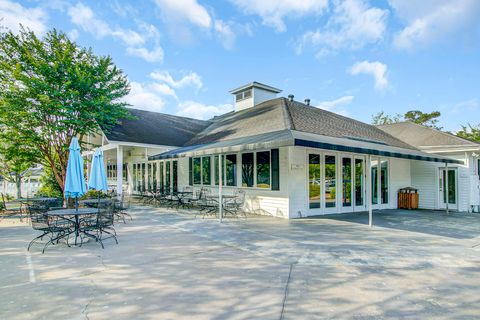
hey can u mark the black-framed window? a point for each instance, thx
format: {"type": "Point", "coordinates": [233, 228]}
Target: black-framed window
{"type": "Point", "coordinates": [247, 169]}
{"type": "Point", "coordinates": [206, 171]}
{"type": "Point", "coordinates": [263, 169]}
{"type": "Point", "coordinates": [197, 170]}
{"type": "Point", "coordinates": [231, 169]}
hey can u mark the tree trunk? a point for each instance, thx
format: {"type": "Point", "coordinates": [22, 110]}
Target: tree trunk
{"type": "Point", "coordinates": [18, 183]}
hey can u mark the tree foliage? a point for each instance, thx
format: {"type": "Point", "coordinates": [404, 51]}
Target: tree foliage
{"type": "Point", "coordinates": [470, 132]}
{"type": "Point", "coordinates": [52, 90]}
{"type": "Point", "coordinates": [415, 116]}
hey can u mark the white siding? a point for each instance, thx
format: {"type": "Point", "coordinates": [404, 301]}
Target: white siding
{"type": "Point", "coordinates": [399, 178]}
{"type": "Point", "coordinates": [424, 178]}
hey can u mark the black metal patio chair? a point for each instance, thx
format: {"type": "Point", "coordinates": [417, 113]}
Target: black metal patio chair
{"type": "Point", "coordinates": [120, 209]}
{"type": "Point", "coordinates": [235, 205]}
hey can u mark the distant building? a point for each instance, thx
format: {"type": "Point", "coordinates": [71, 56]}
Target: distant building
{"type": "Point", "coordinates": [30, 183]}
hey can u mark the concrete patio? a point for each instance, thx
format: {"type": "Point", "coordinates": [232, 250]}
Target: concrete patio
{"type": "Point", "coordinates": [168, 265]}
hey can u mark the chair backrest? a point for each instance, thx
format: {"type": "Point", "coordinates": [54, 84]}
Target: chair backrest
{"type": "Point", "coordinates": [105, 216]}
{"type": "Point", "coordinates": [240, 197]}
{"type": "Point", "coordinates": [37, 217]}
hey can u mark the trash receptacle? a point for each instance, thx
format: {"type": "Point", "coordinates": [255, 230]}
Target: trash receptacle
{"type": "Point", "coordinates": [408, 198]}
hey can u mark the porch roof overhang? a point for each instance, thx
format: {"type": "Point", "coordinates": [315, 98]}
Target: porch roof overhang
{"type": "Point", "coordinates": [286, 138]}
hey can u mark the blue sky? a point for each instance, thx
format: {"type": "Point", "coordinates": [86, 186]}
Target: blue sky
{"type": "Point", "coordinates": [353, 57]}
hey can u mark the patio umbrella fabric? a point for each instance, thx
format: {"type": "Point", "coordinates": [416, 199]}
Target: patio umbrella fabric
{"type": "Point", "coordinates": [75, 185]}
{"type": "Point", "coordinates": [97, 179]}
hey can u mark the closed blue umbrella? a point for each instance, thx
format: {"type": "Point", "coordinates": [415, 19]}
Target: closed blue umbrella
{"type": "Point", "coordinates": [97, 179]}
{"type": "Point", "coordinates": [75, 185]}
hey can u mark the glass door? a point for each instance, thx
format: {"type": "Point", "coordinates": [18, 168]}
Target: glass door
{"type": "Point", "coordinates": [347, 184]}
{"type": "Point", "coordinates": [448, 188]}
{"type": "Point", "coordinates": [330, 183]}
{"type": "Point", "coordinates": [359, 184]}
{"type": "Point", "coordinates": [314, 181]}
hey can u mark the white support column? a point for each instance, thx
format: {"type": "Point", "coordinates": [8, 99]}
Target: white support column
{"type": "Point", "coordinates": [369, 190]}
{"type": "Point", "coordinates": [220, 183]}
{"type": "Point", "coordinates": [119, 171]}
{"type": "Point", "coordinates": [446, 188]}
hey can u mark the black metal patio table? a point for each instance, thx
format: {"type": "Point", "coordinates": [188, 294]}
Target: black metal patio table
{"type": "Point", "coordinates": [215, 199]}
{"type": "Point", "coordinates": [68, 213]}
{"type": "Point", "coordinates": [182, 196]}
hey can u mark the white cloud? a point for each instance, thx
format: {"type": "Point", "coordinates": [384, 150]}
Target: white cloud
{"type": "Point", "coordinates": [465, 106]}
{"type": "Point", "coordinates": [185, 11]}
{"type": "Point", "coordinates": [146, 97]}
{"type": "Point", "coordinates": [336, 105]}
{"type": "Point", "coordinates": [273, 12]}
{"type": "Point", "coordinates": [83, 16]}
{"type": "Point", "coordinates": [376, 69]}
{"type": "Point", "coordinates": [191, 79]}
{"type": "Point", "coordinates": [225, 33]}
{"type": "Point", "coordinates": [73, 34]}
{"type": "Point", "coordinates": [155, 55]}
{"type": "Point", "coordinates": [13, 14]}
{"type": "Point", "coordinates": [199, 110]}
{"type": "Point", "coordinates": [136, 42]}
{"type": "Point", "coordinates": [429, 21]}
{"type": "Point", "coordinates": [352, 25]}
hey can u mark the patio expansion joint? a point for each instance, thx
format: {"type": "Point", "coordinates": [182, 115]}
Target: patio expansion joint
{"type": "Point", "coordinates": [285, 294]}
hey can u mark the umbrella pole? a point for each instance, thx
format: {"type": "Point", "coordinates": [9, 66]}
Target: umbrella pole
{"type": "Point", "coordinates": [76, 203]}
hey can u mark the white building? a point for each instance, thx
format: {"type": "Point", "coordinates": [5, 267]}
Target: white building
{"type": "Point", "coordinates": [292, 159]}
{"type": "Point", "coordinates": [463, 179]}
{"type": "Point", "coordinates": [30, 183]}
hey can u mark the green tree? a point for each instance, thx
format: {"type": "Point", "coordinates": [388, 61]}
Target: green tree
{"type": "Point", "coordinates": [416, 116]}
{"type": "Point", "coordinates": [52, 90]}
{"type": "Point", "coordinates": [15, 159]}
{"type": "Point", "coordinates": [382, 118]}
{"type": "Point", "coordinates": [470, 132]}
{"type": "Point", "coordinates": [425, 119]}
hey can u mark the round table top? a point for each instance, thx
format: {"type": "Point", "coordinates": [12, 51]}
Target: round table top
{"type": "Point", "coordinates": [39, 199]}
{"type": "Point", "coordinates": [224, 196]}
{"type": "Point", "coordinates": [72, 212]}
{"type": "Point", "coordinates": [102, 200]}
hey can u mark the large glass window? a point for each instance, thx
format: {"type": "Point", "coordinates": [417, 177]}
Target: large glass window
{"type": "Point", "coordinates": [384, 181]}
{"type": "Point", "coordinates": [263, 169]}
{"type": "Point", "coordinates": [134, 176]}
{"type": "Point", "coordinates": [359, 182]}
{"type": "Point", "coordinates": [150, 177]}
{"type": "Point", "coordinates": [347, 182]}
{"type": "Point", "coordinates": [175, 175]}
{"type": "Point", "coordinates": [162, 180]}
{"type": "Point", "coordinates": [167, 176]}
{"type": "Point", "coordinates": [247, 169]}
{"type": "Point", "coordinates": [314, 180]}
{"type": "Point", "coordinates": [374, 181]}
{"type": "Point", "coordinates": [143, 177]}
{"type": "Point", "coordinates": [330, 182]}
{"type": "Point", "coordinates": [197, 171]}
{"type": "Point", "coordinates": [231, 169]}
{"type": "Point", "coordinates": [154, 174]}
{"type": "Point", "coordinates": [206, 168]}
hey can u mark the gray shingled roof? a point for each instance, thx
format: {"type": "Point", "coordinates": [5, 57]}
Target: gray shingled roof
{"type": "Point", "coordinates": [283, 114]}
{"type": "Point", "coordinates": [423, 137]}
{"type": "Point", "coordinates": [156, 128]}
